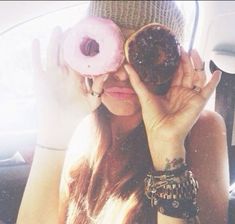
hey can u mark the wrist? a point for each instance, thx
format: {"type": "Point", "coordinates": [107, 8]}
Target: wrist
{"type": "Point", "coordinates": [168, 155]}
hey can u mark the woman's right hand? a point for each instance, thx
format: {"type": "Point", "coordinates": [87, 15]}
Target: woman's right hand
{"type": "Point", "coordinates": [63, 98]}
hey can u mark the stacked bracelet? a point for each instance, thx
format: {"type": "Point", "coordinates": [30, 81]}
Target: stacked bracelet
{"type": "Point", "coordinates": [173, 192]}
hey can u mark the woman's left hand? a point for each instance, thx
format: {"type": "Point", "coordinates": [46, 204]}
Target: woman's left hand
{"type": "Point", "coordinates": [169, 118]}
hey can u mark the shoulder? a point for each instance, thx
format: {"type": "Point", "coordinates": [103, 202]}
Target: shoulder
{"type": "Point", "coordinates": [207, 144]}
{"type": "Point", "coordinates": [209, 128]}
{"type": "Point", "coordinates": [209, 120]}
{"type": "Point", "coordinates": [207, 157]}
{"type": "Point", "coordinates": [207, 141]}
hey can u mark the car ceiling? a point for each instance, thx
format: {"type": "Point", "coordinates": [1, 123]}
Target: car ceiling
{"type": "Point", "coordinates": [16, 12]}
{"type": "Point", "coordinates": [13, 12]}
{"type": "Point", "coordinates": [217, 19]}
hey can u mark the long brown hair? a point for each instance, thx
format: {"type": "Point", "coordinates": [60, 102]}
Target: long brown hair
{"type": "Point", "coordinates": [106, 185]}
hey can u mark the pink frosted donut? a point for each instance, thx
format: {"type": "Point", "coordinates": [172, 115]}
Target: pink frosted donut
{"type": "Point", "coordinates": [94, 46]}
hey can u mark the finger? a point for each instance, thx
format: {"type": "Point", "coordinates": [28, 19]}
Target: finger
{"type": "Point", "coordinates": [187, 69]}
{"type": "Point", "coordinates": [199, 74]}
{"type": "Point", "coordinates": [77, 78]}
{"type": "Point", "coordinates": [150, 103]}
{"type": "Point", "coordinates": [197, 60]}
{"type": "Point", "coordinates": [178, 77]}
{"type": "Point", "coordinates": [54, 47]}
{"type": "Point", "coordinates": [62, 62]}
{"type": "Point", "coordinates": [211, 85]}
{"type": "Point", "coordinates": [88, 83]}
{"type": "Point", "coordinates": [94, 96]}
{"type": "Point", "coordinates": [98, 83]}
{"type": "Point", "coordinates": [36, 56]}
{"type": "Point", "coordinates": [199, 79]}
{"type": "Point", "coordinates": [141, 90]}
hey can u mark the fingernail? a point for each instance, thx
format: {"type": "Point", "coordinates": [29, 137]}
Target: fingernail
{"type": "Point", "coordinates": [219, 72]}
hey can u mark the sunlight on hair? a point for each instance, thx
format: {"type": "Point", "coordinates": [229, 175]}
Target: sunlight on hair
{"type": "Point", "coordinates": [116, 210]}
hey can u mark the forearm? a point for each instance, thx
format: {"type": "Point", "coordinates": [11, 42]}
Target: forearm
{"type": "Point", "coordinates": [162, 219]}
{"type": "Point", "coordinates": [41, 197]}
{"type": "Point", "coordinates": [56, 128]}
{"type": "Point", "coordinates": [168, 152]}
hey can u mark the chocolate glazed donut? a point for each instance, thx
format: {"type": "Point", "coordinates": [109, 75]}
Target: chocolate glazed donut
{"type": "Point", "coordinates": [154, 53]}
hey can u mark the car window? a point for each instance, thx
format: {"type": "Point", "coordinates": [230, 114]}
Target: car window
{"type": "Point", "coordinates": [18, 124]}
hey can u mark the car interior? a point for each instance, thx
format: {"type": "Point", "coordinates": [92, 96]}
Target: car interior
{"type": "Point", "coordinates": [211, 30]}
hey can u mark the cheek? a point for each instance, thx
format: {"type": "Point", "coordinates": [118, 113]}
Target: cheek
{"type": "Point", "coordinates": [121, 107]}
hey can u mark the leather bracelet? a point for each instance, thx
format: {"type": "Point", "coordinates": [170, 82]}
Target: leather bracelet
{"type": "Point", "coordinates": [178, 208]}
{"type": "Point", "coordinates": [49, 148]}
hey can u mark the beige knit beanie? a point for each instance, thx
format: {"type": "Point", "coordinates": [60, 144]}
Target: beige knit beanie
{"type": "Point", "coordinates": [135, 14]}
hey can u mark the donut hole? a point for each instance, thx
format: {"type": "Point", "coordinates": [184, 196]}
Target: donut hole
{"type": "Point", "coordinates": [160, 57]}
{"type": "Point", "coordinates": [89, 47]}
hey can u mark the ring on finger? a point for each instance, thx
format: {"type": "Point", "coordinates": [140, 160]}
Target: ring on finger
{"type": "Point", "coordinates": [196, 89]}
{"type": "Point", "coordinates": [202, 69]}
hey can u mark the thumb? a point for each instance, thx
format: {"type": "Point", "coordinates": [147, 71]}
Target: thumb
{"type": "Point", "coordinates": [150, 103]}
{"type": "Point", "coordinates": [141, 90]}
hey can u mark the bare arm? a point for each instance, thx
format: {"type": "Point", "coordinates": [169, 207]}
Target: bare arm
{"type": "Point", "coordinates": [40, 202]}
{"type": "Point", "coordinates": [41, 197]}
{"type": "Point", "coordinates": [169, 119]}
{"type": "Point", "coordinates": [208, 159]}
{"type": "Point", "coordinates": [44, 199]}
{"type": "Point", "coordinates": [62, 104]}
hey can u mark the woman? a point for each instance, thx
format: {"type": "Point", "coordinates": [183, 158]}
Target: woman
{"type": "Point", "coordinates": [123, 139]}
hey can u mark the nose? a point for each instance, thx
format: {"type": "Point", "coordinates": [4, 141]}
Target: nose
{"type": "Point", "coordinates": [121, 73]}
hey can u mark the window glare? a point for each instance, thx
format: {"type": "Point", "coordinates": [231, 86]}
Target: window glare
{"type": "Point", "coordinates": [15, 47]}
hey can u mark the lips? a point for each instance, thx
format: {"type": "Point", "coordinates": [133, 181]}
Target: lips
{"type": "Point", "coordinates": [120, 92]}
